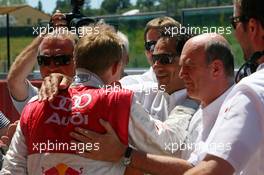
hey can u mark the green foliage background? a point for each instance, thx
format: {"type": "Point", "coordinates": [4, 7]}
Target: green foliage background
{"type": "Point", "coordinates": [134, 27]}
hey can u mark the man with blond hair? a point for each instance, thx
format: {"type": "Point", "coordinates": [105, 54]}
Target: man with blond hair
{"type": "Point", "coordinates": [53, 53]}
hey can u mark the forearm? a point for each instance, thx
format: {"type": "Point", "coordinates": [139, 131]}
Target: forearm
{"type": "Point", "coordinates": [21, 68]}
{"type": "Point", "coordinates": [15, 161]}
{"type": "Point", "coordinates": [163, 138]}
{"type": "Point", "coordinates": [154, 164]}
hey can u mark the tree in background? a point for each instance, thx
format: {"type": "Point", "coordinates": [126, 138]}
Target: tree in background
{"type": "Point", "coordinates": [39, 5]}
{"type": "Point", "coordinates": [146, 5]}
{"type": "Point", "coordinates": [63, 5]}
{"type": "Point", "coordinates": [114, 6]}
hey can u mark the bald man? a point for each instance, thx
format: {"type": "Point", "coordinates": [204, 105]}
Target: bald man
{"type": "Point", "coordinates": [207, 71]}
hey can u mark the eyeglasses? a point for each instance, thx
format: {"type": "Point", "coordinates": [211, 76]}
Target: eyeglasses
{"type": "Point", "coordinates": [237, 19]}
{"type": "Point", "coordinates": [149, 45]}
{"type": "Point", "coordinates": [164, 58]}
{"type": "Point", "coordinates": [58, 60]}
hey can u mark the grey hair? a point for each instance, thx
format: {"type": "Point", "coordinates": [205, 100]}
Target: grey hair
{"type": "Point", "coordinates": [124, 40]}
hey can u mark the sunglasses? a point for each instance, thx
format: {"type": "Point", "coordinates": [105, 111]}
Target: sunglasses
{"type": "Point", "coordinates": [237, 19]}
{"type": "Point", "coordinates": [58, 60]}
{"type": "Point", "coordinates": [164, 58]}
{"type": "Point", "coordinates": [149, 45]}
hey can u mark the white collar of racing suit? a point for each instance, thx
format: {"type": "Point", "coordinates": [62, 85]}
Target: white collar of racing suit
{"type": "Point", "coordinates": [87, 78]}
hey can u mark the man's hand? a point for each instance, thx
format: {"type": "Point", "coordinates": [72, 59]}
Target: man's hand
{"type": "Point", "coordinates": [6, 139]}
{"type": "Point", "coordinates": [110, 147]}
{"type": "Point", "coordinates": [52, 84]}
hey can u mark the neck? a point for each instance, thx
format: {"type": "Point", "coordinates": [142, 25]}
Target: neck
{"type": "Point", "coordinates": [222, 87]}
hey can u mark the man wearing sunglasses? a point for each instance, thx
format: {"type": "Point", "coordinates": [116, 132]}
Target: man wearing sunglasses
{"type": "Point", "coordinates": [53, 53]}
{"type": "Point", "coordinates": [159, 89]}
{"type": "Point", "coordinates": [151, 35]}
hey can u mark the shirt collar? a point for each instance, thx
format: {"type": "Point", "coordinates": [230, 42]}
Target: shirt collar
{"type": "Point", "coordinates": [210, 112]}
{"type": "Point", "coordinates": [87, 78]}
{"type": "Point", "coordinates": [261, 66]}
{"type": "Point", "coordinates": [175, 98]}
{"type": "Point", "coordinates": [214, 107]}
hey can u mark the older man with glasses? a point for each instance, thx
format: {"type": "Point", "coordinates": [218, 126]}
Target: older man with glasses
{"type": "Point", "coordinates": [53, 53]}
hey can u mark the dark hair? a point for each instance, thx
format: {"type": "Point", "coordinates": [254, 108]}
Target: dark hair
{"type": "Point", "coordinates": [179, 40]}
{"type": "Point", "coordinates": [216, 50]}
{"type": "Point", "coordinates": [159, 23]}
{"type": "Point", "coordinates": [252, 9]}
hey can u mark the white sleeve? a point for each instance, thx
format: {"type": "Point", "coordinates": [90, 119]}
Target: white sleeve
{"type": "Point", "coordinates": [238, 129]}
{"type": "Point", "coordinates": [154, 136]}
{"type": "Point", "coordinates": [15, 161]}
{"type": "Point", "coordinates": [19, 105]}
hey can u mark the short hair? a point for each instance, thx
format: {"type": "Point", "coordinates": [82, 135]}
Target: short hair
{"type": "Point", "coordinates": [98, 52]}
{"type": "Point", "coordinates": [61, 34]}
{"type": "Point", "coordinates": [217, 50]}
{"type": "Point", "coordinates": [252, 9]}
{"type": "Point", "coordinates": [179, 40]}
{"type": "Point", "coordinates": [160, 23]}
{"type": "Point", "coordinates": [124, 38]}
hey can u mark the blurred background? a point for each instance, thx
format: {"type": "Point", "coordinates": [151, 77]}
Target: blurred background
{"type": "Point", "coordinates": [130, 16]}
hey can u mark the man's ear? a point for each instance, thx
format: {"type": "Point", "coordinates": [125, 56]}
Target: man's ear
{"type": "Point", "coordinates": [253, 25]}
{"type": "Point", "coordinates": [217, 68]}
{"type": "Point", "coordinates": [115, 67]}
{"type": "Point", "coordinates": [256, 32]}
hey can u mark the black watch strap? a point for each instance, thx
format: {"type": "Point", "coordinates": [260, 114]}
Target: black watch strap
{"type": "Point", "coordinates": [128, 152]}
{"type": "Point", "coordinates": [127, 156]}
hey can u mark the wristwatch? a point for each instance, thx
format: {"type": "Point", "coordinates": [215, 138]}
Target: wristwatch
{"type": "Point", "coordinates": [127, 156]}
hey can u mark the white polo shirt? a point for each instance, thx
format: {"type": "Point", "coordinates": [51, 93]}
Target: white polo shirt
{"type": "Point", "coordinates": [240, 124]}
{"type": "Point", "coordinates": [155, 101]}
{"type": "Point", "coordinates": [200, 127]}
{"type": "Point", "coordinates": [147, 77]}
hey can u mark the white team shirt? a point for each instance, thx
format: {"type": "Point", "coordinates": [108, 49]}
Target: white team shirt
{"type": "Point", "coordinates": [240, 124]}
{"type": "Point", "coordinates": [200, 127]}
{"type": "Point", "coordinates": [147, 77]}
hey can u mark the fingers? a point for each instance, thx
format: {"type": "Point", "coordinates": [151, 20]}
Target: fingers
{"type": "Point", "coordinates": [41, 94]}
{"type": "Point", "coordinates": [86, 133]}
{"type": "Point", "coordinates": [5, 140]}
{"type": "Point", "coordinates": [50, 87]}
{"type": "Point", "coordinates": [107, 127]}
{"type": "Point", "coordinates": [53, 90]}
{"type": "Point", "coordinates": [2, 144]}
{"type": "Point", "coordinates": [45, 90]}
{"type": "Point", "coordinates": [65, 82]}
{"type": "Point", "coordinates": [11, 130]}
